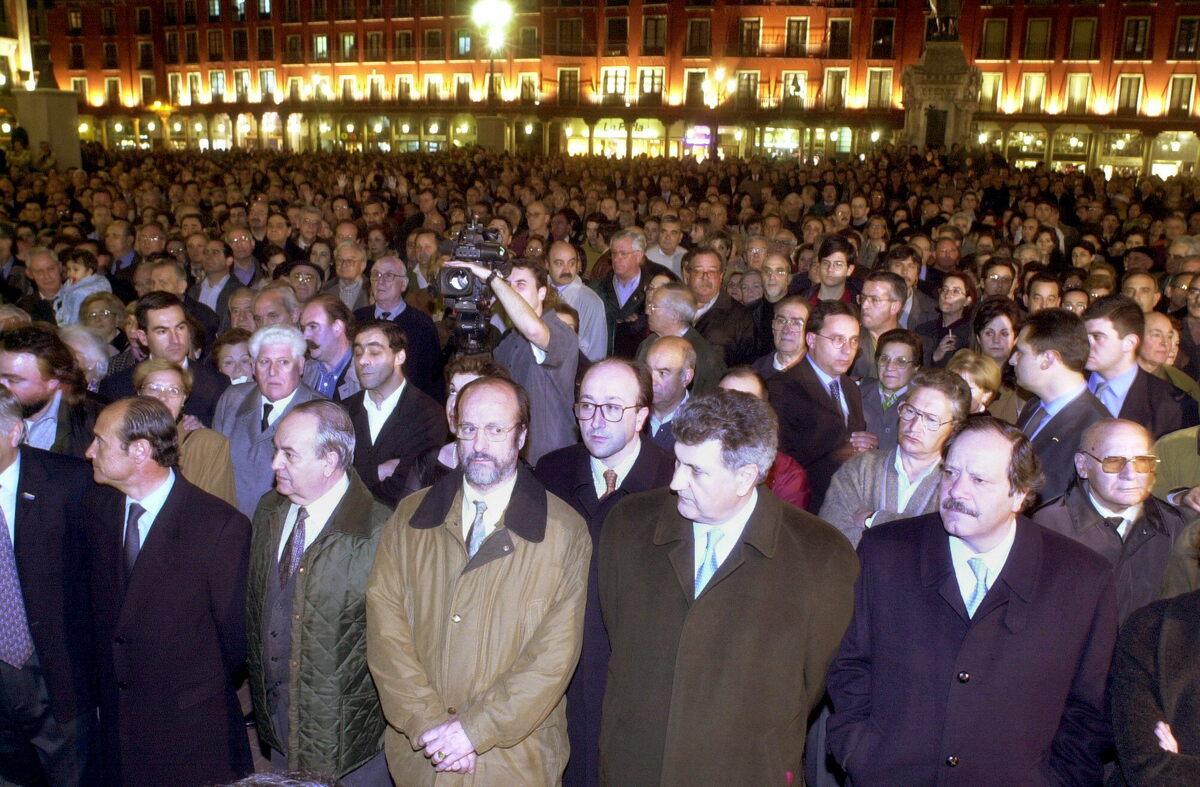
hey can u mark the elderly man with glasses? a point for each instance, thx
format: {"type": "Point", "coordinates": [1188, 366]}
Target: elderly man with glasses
{"type": "Point", "coordinates": [1110, 509]}
{"type": "Point", "coordinates": [349, 261]}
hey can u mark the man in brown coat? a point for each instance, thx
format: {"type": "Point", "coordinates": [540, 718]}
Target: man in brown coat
{"type": "Point", "coordinates": [724, 607]}
{"type": "Point", "coordinates": [475, 610]}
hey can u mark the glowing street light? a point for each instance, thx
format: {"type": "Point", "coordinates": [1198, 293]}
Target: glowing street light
{"type": "Point", "coordinates": [492, 17]}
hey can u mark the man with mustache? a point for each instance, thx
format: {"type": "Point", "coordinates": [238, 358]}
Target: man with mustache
{"type": "Point", "coordinates": [980, 644]}
{"type": "Point", "coordinates": [325, 322]}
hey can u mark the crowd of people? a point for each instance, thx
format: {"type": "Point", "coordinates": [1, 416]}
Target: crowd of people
{"type": "Point", "coordinates": [373, 470]}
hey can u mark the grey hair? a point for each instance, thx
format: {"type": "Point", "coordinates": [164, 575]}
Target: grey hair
{"type": "Point", "coordinates": [42, 251]}
{"type": "Point", "coordinates": [91, 346]}
{"type": "Point", "coordinates": [10, 410]}
{"type": "Point", "coordinates": [10, 312]}
{"type": "Point", "coordinates": [949, 384]}
{"type": "Point", "coordinates": [349, 245]}
{"type": "Point", "coordinates": [679, 300]}
{"type": "Point", "coordinates": [278, 334]}
{"type": "Point", "coordinates": [291, 303]}
{"type": "Point", "coordinates": [633, 233]}
{"type": "Point", "coordinates": [335, 432]}
{"type": "Point", "coordinates": [745, 426]}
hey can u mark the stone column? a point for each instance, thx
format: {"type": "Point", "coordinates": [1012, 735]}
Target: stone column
{"type": "Point", "coordinates": [943, 82]}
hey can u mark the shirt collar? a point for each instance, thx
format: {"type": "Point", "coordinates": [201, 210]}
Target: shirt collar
{"type": "Point", "coordinates": [322, 508]}
{"type": "Point", "coordinates": [389, 402]}
{"type": "Point", "coordinates": [51, 412]}
{"type": "Point", "coordinates": [1052, 408]}
{"type": "Point", "coordinates": [1119, 385]}
{"type": "Point", "coordinates": [622, 469]}
{"type": "Point", "coordinates": [1131, 514]}
{"type": "Point", "coordinates": [824, 378]}
{"type": "Point", "coordinates": [994, 558]}
{"type": "Point", "coordinates": [736, 523]}
{"type": "Point", "coordinates": [153, 502]}
{"type": "Point", "coordinates": [281, 404]}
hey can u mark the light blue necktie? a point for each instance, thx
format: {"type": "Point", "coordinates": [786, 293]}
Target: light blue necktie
{"type": "Point", "coordinates": [475, 536]}
{"type": "Point", "coordinates": [979, 568]}
{"type": "Point", "coordinates": [1107, 397]}
{"type": "Point", "coordinates": [708, 564]}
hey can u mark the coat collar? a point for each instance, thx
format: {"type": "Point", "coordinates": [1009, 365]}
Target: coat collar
{"type": "Point", "coordinates": [1085, 516]}
{"type": "Point", "coordinates": [761, 531]}
{"type": "Point", "coordinates": [641, 475]}
{"type": "Point", "coordinates": [525, 515]}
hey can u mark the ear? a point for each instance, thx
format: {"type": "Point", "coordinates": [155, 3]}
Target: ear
{"type": "Point", "coordinates": [745, 479]}
{"type": "Point", "coordinates": [639, 419]}
{"type": "Point", "coordinates": [401, 358]}
{"type": "Point", "coordinates": [690, 374]}
{"type": "Point", "coordinates": [141, 337]}
{"type": "Point", "coordinates": [1081, 466]}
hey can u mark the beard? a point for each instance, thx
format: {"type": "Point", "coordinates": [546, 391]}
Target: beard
{"type": "Point", "coordinates": [483, 470]}
{"type": "Point", "coordinates": [31, 409]}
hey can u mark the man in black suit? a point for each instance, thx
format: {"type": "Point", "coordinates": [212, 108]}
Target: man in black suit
{"type": "Point", "coordinates": [1049, 359]}
{"type": "Point", "coordinates": [41, 372]}
{"type": "Point", "coordinates": [394, 422]}
{"type": "Point", "coordinates": [218, 284]}
{"type": "Point", "coordinates": [820, 411]}
{"type": "Point", "coordinates": [1115, 326]}
{"type": "Point", "coordinates": [163, 329]}
{"type": "Point", "coordinates": [168, 275]}
{"type": "Point", "coordinates": [388, 281]}
{"type": "Point", "coordinates": [47, 700]}
{"type": "Point", "coordinates": [623, 291]}
{"type": "Point", "coordinates": [168, 585]}
{"type": "Point", "coordinates": [980, 644]}
{"type": "Point", "coordinates": [727, 324]}
{"type": "Point", "coordinates": [613, 461]}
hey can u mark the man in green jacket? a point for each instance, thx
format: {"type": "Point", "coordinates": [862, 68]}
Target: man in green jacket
{"type": "Point", "coordinates": [311, 552]}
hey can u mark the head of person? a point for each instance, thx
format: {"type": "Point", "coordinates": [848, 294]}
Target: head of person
{"type": "Point", "coordinates": [134, 442]}
{"type": "Point", "coordinates": [1158, 340]}
{"type": "Point", "coordinates": [898, 355]}
{"type": "Point", "coordinates": [882, 298]}
{"type": "Point", "coordinates": [44, 270]}
{"type": "Point", "coordinates": [164, 380]}
{"type": "Point", "coordinates": [90, 351]}
{"type": "Point", "coordinates": [119, 238]}
{"type": "Point", "coordinates": [672, 362]}
{"type": "Point", "coordinates": [744, 379]}
{"type": "Point", "coordinates": [725, 445]}
{"type": "Point", "coordinates": [12, 427]}
{"type": "Point", "coordinates": [1075, 300]}
{"type": "Point", "coordinates": [35, 364]}
{"type": "Point", "coordinates": [989, 474]}
{"type": "Point", "coordinates": [350, 260]}
{"type": "Point", "coordinates": [102, 313]}
{"type": "Point", "coordinates": [703, 272]}
{"type": "Point", "coordinates": [278, 353]}
{"type": "Point", "coordinates": [1142, 288]}
{"type": "Point", "coordinates": [981, 373]}
{"type": "Point", "coordinates": [670, 233]}
{"type": "Point", "coordinates": [752, 286]}
{"type": "Point", "coordinates": [670, 309]}
{"type": "Point", "coordinates": [998, 278]}
{"type": "Point", "coordinates": [275, 305]}
{"type": "Point", "coordinates": [628, 250]}
{"type": "Point", "coordinates": [530, 280]}
{"type": "Point", "coordinates": [463, 370]}
{"type": "Point", "coordinates": [904, 261]}
{"type": "Point", "coordinates": [231, 353]}
{"type": "Point", "coordinates": [563, 263]}
{"type": "Point", "coordinates": [168, 276]}
{"type": "Point", "coordinates": [1117, 463]}
{"type": "Point", "coordinates": [163, 327]}
{"type": "Point", "coordinates": [325, 322]}
{"type": "Point", "coordinates": [614, 403]}
{"type": "Point", "coordinates": [492, 420]}
{"type": "Point", "coordinates": [789, 326]}
{"type": "Point", "coordinates": [937, 401]}
{"type": "Point", "coordinates": [305, 278]}
{"type": "Point", "coordinates": [832, 337]}
{"type": "Point", "coordinates": [1043, 291]}
{"type": "Point", "coordinates": [314, 445]}
{"type": "Point", "coordinates": [777, 276]}
{"type": "Point", "coordinates": [1051, 348]}
{"type": "Point", "coordinates": [836, 257]}
{"type": "Point", "coordinates": [380, 351]}
{"type": "Point", "coordinates": [1115, 325]}
{"type": "Point", "coordinates": [241, 309]}
{"type": "Point", "coordinates": [995, 326]}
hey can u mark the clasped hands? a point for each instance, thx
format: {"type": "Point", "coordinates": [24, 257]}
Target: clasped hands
{"type": "Point", "coordinates": [448, 747]}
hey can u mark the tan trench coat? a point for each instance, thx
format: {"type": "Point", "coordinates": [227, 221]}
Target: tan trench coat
{"type": "Point", "coordinates": [493, 640]}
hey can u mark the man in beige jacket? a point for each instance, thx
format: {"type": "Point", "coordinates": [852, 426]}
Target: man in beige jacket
{"type": "Point", "coordinates": [475, 610]}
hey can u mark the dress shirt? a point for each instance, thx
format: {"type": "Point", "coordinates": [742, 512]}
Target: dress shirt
{"type": "Point", "coordinates": [1118, 388]}
{"type": "Point", "coordinates": [327, 376]}
{"type": "Point", "coordinates": [152, 503]}
{"type": "Point", "coordinates": [319, 512]}
{"type": "Point", "coordinates": [245, 275]}
{"type": "Point", "coordinates": [1128, 516]}
{"type": "Point", "coordinates": [40, 432]}
{"type": "Point", "coordinates": [657, 423]}
{"type": "Point", "coordinates": [277, 408]}
{"type": "Point", "coordinates": [825, 381]}
{"type": "Point", "coordinates": [9, 480]}
{"type": "Point", "coordinates": [731, 528]}
{"type": "Point", "coordinates": [701, 310]}
{"type": "Point", "coordinates": [672, 262]}
{"type": "Point", "coordinates": [209, 293]}
{"type": "Point", "coordinates": [599, 467]}
{"type": "Point", "coordinates": [390, 314]}
{"type": "Point", "coordinates": [1053, 408]}
{"type": "Point", "coordinates": [496, 499]}
{"type": "Point", "coordinates": [624, 291]}
{"type": "Point", "coordinates": [349, 295]}
{"type": "Point", "coordinates": [906, 311]}
{"type": "Point", "coordinates": [905, 486]}
{"type": "Point", "coordinates": [377, 414]}
{"type": "Point", "coordinates": [994, 559]}
{"type": "Point", "coordinates": [121, 263]}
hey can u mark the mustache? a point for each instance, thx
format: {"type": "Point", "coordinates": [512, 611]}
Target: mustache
{"type": "Point", "coordinates": [957, 506]}
{"type": "Point", "coordinates": [476, 456]}
{"type": "Point", "coordinates": [311, 345]}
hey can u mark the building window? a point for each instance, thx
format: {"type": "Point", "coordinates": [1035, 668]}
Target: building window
{"type": "Point", "coordinates": [404, 87]}
{"type": "Point", "coordinates": [1129, 94]}
{"type": "Point", "coordinates": [191, 48]}
{"type": "Point", "coordinates": [266, 43]}
{"type": "Point", "coordinates": [462, 88]}
{"type": "Point", "coordinates": [650, 86]}
{"type": "Point", "coordinates": [839, 39]}
{"type": "Point", "coordinates": [1079, 93]}
{"type": "Point", "coordinates": [796, 39]}
{"type": "Point", "coordinates": [375, 52]}
{"type": "Point", "coordinates": [570, 36]}
{"type": "Point", "coordinates": [836, 82]}
{"type": "Point", "coordinates": [1136, 40]}
{"type": "Point", "coordinates": [267, 86]}
{"type": "Point", "coordinates": [527, 44]}
{"type": "Point", "coordinates": [347, 48]}
{"type": "Point", "coordinates": [529, 92]}
{"type": "Point", "coordinates": [170, 13]}
{"type": "Point", "coordinates": [432, 8]}
{"type": "Point", "coordinates": [402, 45]}
{"type": "Point", "coordinates": [993, 42]}
{"type": "Point", "coordinates": [1179, 103]}
{"type": "Point", "coordinates": [216, 85]}
{"type": "Point", "coordinates": [189, 12]}
{"type": "Point", "coordinates": [108, 21]}
{"type": "Point", "coordinates": [320, 11]}
{"type": "Point", "coordinates": [1083, 39]}
{"type": "Point", "coordinates": [1037, 39]}
{"type": "Point", "coordinates": [568, 86]}
{"type": "Point", "coordinates": [145, 56]}
{"type": "Point", "coordinates": [239, 10]}
{"type": "Point", "coordinates": [749, 35]}
{"type": "Point", "coordinates": [241, 45]}
{"type": "Point", "coordinates": [320, 48]}
{"type": "Point", "coordinates": [241, 84]}
{"type": "Point", "coordinates": [264, 9]}
{"type": "Point", "coordinates": [346, 9]}
{"type": "Point", "coordinates": [693, 87]}
{"type": "Point", "coordinates": [614, 83]}
{"type": "Point", "coordinates": [214, 10]}
{"type": "Point", "coordinates": [1033, 89]}
{"type": "Point", "coordinates": [1187, 39]}
{"type": "Point", "coordinates": [747, 89]}
{"type": "Point", "coordinates": [194, 96]}
{"type": "Point", "coordinates": [216, 46]}
{"type": "Point", "coordinates": [174, 89]}
{"type": "Point", "coordinates": [291, 13]}
{"type": "Point", "coordinates": [79, 85]}
{"type": "Point", "coordinates": [434, 50]}
{"type": "Point", "coordinates": [110, 55]}
{"type": "Point", "coordinates": [494, 85]}
{"type": "Point", "coordinates": [654, 35]}
{"type": "Point", "coordinates": [989, 92]}
{"type": "Point", "coordinates": [462, 43]}
{"type": "Point", "coordinates": [321, 89]}
{"type": "Point", "coordinates": [433, 87]}
{"type": "Point", "coordinates": [293, 51]}
{"type": "Point", "coordinates": [404, 8]}
{"type": "Point", "coordinates": [112, 91]}
{"type": "Point", "coordinates": [883, 39]}
{"type": "Point", "coordinates": [349, 88]}
{"type": "Point", "coordinates": [375, 87]}
{"type": "Point", "coordinates": [144, 26]}
{"type": "Point", "coordinates": [171, 55]}
{"type": "Point", "coordinates": [375, 11]}
{"type": "Point", "coordinates": [793, 89]}
{"type": "Point", "coordinates": [149, 92]}
{"type": "Point", "coordinates": [294, 89]}
{"type": "Point", "coordinates": [879, 88]}
{"type": "Point", "coordinates": [616, 37]}
{"type": "Point", "coordinates": [699, 38]}
{"type": "Point", "coordinates": [76, 61]}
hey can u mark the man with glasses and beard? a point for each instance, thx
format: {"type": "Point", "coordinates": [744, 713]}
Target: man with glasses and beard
{"type": "Point", "coordinates": [492, 557]}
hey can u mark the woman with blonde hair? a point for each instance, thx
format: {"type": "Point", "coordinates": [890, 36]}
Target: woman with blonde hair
{"type": "Point", "coordinates": [981, 374]}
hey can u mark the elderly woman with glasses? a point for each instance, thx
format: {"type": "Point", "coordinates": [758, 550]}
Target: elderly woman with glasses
{"type": "Point", "coordinates": [103, 314]}
{"type": "Point", "coordinates": [204, 457]}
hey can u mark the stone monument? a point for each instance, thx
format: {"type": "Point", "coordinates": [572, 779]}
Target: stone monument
{"type": "Point", "coordinates": [941, 93]}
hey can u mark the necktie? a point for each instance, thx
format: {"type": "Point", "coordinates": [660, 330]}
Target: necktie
{"type": "Point", "coordinates": [1034, 422]}
{"type": "Point", "coordinates": [267, 408]}
{"type": "Point", "coordinates": [133, 538]}
{"type": "Point", "coordinates": [1115, 523]}
{"type": "Point", "coordinates": [1104, 393]}
{"type": "Point", "coordinates": [475, 535]}
{"type": "Point", "coordinates": [708, 564]}
{"type": "Point", "coordinates": [888, 400]}
{"type": "Point", "coordinates": [294, 549]}
{"type": "Point", "coordinates": [16, 643]}
{"type": "Point", "coordinates": [610, 483]}
{"type": "Point", "coordinates": [384, 316]}
{"type": "Point", "coordinates": [979, 569]}
{"type": "Point", "coordinates": [835, 391]}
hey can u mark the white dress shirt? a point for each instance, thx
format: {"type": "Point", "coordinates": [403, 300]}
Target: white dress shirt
{"type": "Point", "coordinates": [152, 503]}
{"type": "Point", "coordinates": [621, 470]}
{"type": "Point", "coordinates": [277, 408]}
{"type": "Point", "coordinates": [377, 415]}
{"type": "Point", "coordinates": [731, 533]}
{"type": "Point", "coordinates": [41, 432]}
{"type": "Point", "coordinates": [496, 500]}
{"type": "Point", "coordinates": [319, 512]}
{"type": "Point", "coordinates": [994, 559]}
{"type": "Point", "coordinates": [210, 292]}
{"type": "Point", "coordinates": [1128, 516]}
{"type": "Point", "coordinates": [9, 481]}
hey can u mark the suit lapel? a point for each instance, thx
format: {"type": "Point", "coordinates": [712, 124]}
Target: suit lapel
{"type": "Point", "coordinates": [160, 555]}
{"type": "Point", "coordinates": [818, 392]}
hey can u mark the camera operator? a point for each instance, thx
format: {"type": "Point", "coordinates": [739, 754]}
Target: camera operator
{"type": "Point", "coordinates": [541, 353]}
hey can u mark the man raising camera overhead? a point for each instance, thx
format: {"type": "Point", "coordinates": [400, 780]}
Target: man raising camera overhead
{"type": "Point", "coordinates": [541, 352]}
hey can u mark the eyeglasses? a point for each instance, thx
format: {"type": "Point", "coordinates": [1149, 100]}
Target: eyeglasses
{"type": "Point", "coordinates": [840, 342]}
{"type": "Point", "coordinates": [886, 360]}
{"type": "Point", "coordinates": [998, 277]}
{"type": "Point", "coordinates": [1115, 464]}
{"type": "Point", "coordinates": [875, 300]}
{"type": "Point", "coordinates": [909, 413]}
{"type": "Point", "coordinates": [348, 261]}
{"type": "Point", "coordinates": [956, 292]}
{"type": "Point", "coordinates": [491, 432]}
{"type": "Point", "coordinates": [611, 411]}
{"type": "Point", "coordinates": [240, 239]}
{"type": "Point", "coordinates": [162, 390]}
{"type": "Point", "coordinates": [788, 322]}
{"type": "Point", "coordinates": [99, 315]}
{"type": "Point", "coordinates": [828, 263]}
{"type": "Point", "coordinates": [303, 278]}
{"type": "Point", "coordinates": [386, 276]}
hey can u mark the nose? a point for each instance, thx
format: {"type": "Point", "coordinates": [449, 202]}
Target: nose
{"type": "Point", "coordinates": [276, 462]}
{"type": "Point", "coordinates": [90, 453]}
{"type": "Point", "coordinates": [677, 479]}
{"type": "Point", "coordinates": [480, 441]}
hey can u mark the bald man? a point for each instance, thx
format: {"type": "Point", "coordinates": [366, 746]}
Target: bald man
{"type": "Point", "coordinates": [672, 362]}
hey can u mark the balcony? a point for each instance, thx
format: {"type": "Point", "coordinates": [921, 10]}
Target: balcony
{"type": "Point", "coordinates": [293, 57]}
{"type": "Point", "coordinates": [146, 61]}
{"type": "Point", "coordinates": [348, 55]}
{"type": "Point", "coordinates": [616, 49]}
{"type": "Point", "coordinates": [698, 49]}
{"type": "Point", "coordinates": [346, 10]}
{"type": "Point", "coordinates": [566, 49]}
{"type": "Point", "coordinates": [650, 99]}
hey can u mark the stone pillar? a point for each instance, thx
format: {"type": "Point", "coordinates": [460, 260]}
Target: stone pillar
{"type": "Point", "coordinates": [591, 127]}
{"type": "Point", "coordinates": [942, 86]}
{"type": "Point", "coordinates": [1149, 139]}
{"type": "Point", "coordinates": [629, 124]}
{"type": "Point", "coordinates": [1048, 154]}
{"type": "Point", "coordinates": [49, 116]}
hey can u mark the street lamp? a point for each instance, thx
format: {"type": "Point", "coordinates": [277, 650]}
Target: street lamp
{"type": "Point", "coordinates": [715, 93]}
{"type": "Point", "coordinates": [492, 18]}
